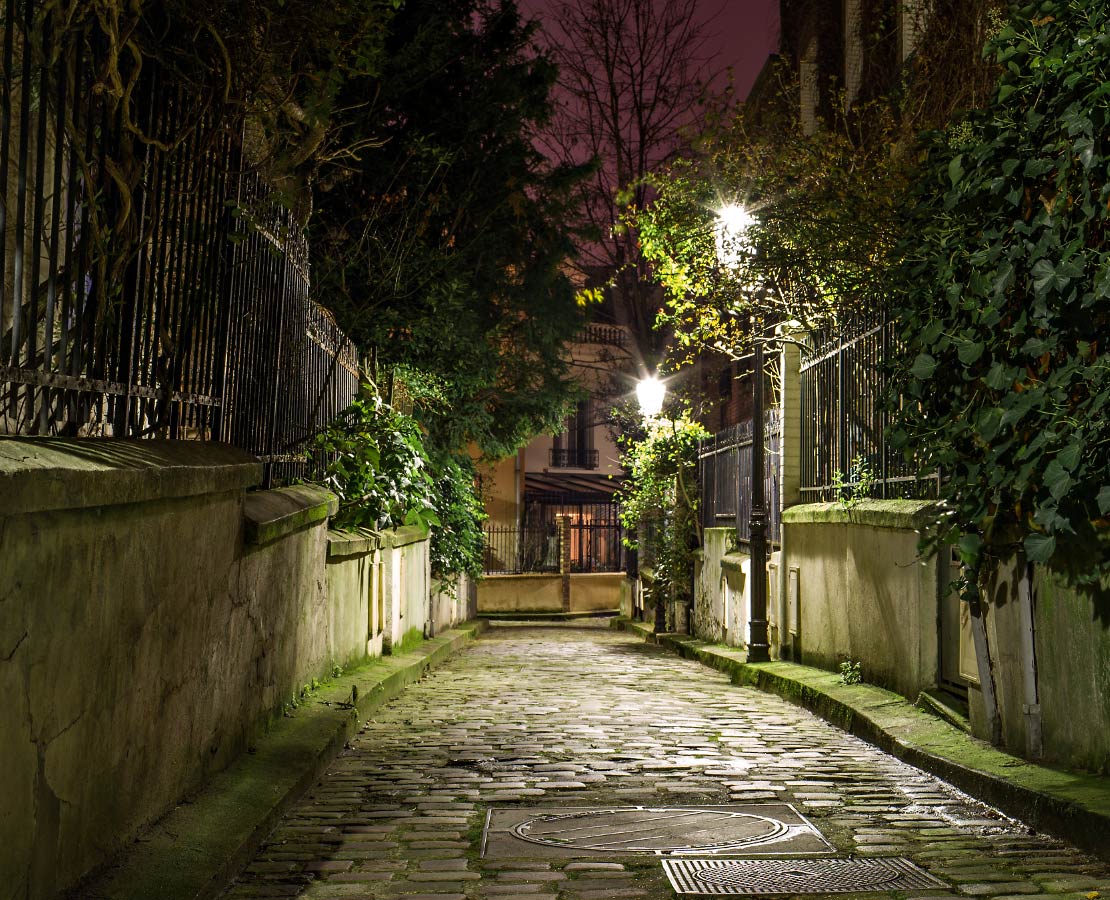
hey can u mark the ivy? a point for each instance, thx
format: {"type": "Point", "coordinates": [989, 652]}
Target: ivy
{"type": "Point", "coordinates": [1003, 292]}
{"type": "Point", "coordinates": [659, 499]}
{"type": "Point", "coordinates": [457, 544]}
{"type": "Point", "coordinates": [378, 467]}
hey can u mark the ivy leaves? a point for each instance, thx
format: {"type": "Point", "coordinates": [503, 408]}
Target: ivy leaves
{"type": "Point", "coordinates": [1003, 287]}
{"type": "Point", "coordinates": [659, 497]}
{"type": "Point", "coordinates": [377, 467]}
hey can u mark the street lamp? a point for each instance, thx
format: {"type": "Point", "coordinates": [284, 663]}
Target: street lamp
{"type": "Point", "coordinates": [650, 393]}
{"type": "Point", "coordinates": [732, 223]}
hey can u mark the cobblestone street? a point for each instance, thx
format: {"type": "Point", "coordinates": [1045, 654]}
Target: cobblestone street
{"type": "Point", "coordinates": [587, 717]}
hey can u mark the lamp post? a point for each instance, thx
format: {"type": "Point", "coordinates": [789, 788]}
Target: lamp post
{"type": "Point", "coordinates": [732, 222]}
{"type": "Point", "coordinates": [758, 648]}
{"type": "Point", "coordinates": [650, 393]}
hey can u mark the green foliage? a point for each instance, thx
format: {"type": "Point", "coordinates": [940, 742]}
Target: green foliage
{"type": "Point", "coordinates": [856, 485]}
{"type": "Point", "coordinates": [826, 209]}
{"type": "Point", "coordinates": [660, 497]}
{"type": "Point", "coordinates": [850, 672]}
{"type": "Point", "coordinates": [457, 543]}
{"type": "Point", "coordinates": [1004, 294]}
{"type": "Point", "coordinates": [441, 241]}
{"type": "Point", "coordinates": [377, 467]}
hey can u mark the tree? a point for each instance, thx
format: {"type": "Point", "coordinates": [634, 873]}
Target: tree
{"type": "Point", "coordinates": [632, 76]}
{"type": "Point", "coordinates": [441, 243]}
{"type": "Point", "coordinates": [1004, 294]}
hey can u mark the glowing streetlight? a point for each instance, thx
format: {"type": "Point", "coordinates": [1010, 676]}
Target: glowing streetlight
{"type": "Point", "coordinates": [732, 223]}
{"type": "Point", "coordinates": [650, 393]}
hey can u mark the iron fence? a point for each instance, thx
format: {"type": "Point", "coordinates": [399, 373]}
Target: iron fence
{"type": "Point", "coordinates": [517, 551]}
{"type": "Point", "coordinates": [594, 535]}
{"type": "Point", "coordinates": [725, 477]}
{"type": "Point", "coordinates": [148, 288]}
{"type": "Point", "coordinates": [844, 418]}
{"type": "Point", "coordinates": [595, 541]}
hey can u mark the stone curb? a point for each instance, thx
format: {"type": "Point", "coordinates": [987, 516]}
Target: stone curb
{"type": "Point", "coordinates": [195, 851]}
{"type": "Point", "coordinates": [548, 616]}
{"type": "Point", "coordinates": [1070, 805]}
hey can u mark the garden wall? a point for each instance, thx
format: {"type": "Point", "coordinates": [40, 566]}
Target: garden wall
{"type": "Point", "coordinates": [1069, 702]}
{"type": "Point", "coordinates": [863, 593]}
{"type": "Point", "coordinates": [154, 618]}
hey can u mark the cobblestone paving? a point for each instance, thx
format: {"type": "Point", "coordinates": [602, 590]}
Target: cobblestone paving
{"type": "Point", "coordinates": [583, 716]}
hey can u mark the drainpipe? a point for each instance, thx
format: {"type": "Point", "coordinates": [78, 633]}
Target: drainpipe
{"type": "Point", "coordinates": [1031, 706]}
{"type": "Point", "coordinates": [430, 628]}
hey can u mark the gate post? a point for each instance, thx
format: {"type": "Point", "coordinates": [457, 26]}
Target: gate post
{"type": "Point", "coordinates": [562, 526]}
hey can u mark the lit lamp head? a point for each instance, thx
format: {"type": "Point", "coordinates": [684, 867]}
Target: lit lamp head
{"type": "Point", "coordinates": [650, 393]}
{"type": "Point", "coordinates": [733, 221]}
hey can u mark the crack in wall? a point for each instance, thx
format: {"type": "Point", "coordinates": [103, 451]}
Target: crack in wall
{"type": "Point", "coordinates": [8, 657]}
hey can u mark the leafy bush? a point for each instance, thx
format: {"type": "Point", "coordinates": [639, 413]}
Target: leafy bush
{"type": "Point", "coordinates": [457, 544]}
{"type": "Point", "coordinates": [660, 497]}
{"type": "Point", "coordinates": [1004, 293]}
{"type": "Point", "coordinates": [377, 467]}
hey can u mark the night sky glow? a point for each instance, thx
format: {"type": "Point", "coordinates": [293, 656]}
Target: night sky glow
{"type": "Point", "coordinates": [741, 33]}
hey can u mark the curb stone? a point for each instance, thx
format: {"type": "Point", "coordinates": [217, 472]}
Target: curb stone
{"type": "Point", "coordinates": [1070, 805]}
{"type": "Point", "coordinates": [195, 851]}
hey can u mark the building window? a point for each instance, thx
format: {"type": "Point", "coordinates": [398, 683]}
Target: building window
{"type": "Point", "coordinates": [574, 448]}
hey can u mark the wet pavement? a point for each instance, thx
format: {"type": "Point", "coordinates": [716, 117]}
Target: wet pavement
{"type": "Point", "coordinates": [591, 755]}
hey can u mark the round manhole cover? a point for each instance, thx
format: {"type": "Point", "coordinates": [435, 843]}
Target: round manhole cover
{"type": "Point", "coordinates": [653, 830]}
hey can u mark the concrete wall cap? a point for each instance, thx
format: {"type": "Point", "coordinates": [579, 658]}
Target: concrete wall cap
{"type": "Point", "coordinates": [522, 576]}
{"type": "Point", "coordinates": [269, 515]}
{"type": "Point", "coordinates": [352, 542]}
{"type": "Point", "coordinates": [909, 515]}
{"type": "Point", "coordinates": [735, 561]}
{"type": "Point", "coordinates": [40, 474]}
{"type": "Point", "coordinates": [403, 536]}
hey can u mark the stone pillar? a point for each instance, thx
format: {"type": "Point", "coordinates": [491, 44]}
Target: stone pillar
{"type": "Point", "coordinates": [853, 52]}
{"type": "Point", "coordinates": [790, 446]}
{"type": "Point", "coordinates": [911, 22]}
{"type": "Point", "coordinates": [809, 89]}
{"type": "Point", "coordinates": [790, 475]}
{"type": "Point", "coordinates": [562, 525]}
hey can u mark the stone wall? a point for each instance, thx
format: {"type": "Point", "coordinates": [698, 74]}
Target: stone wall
{"type": "Point", "coordinates": [1054, 703]}
{"type": "Point", "coordinates": [154, 618]}
{"type": "Point", "coordinates": [863, 592]}
{"type": "Point", "coordinates": [543, 593]}
{"type": "Point", "coordinates": [721, 581]}
{"type": "Point", "coordinates": [520, 593]}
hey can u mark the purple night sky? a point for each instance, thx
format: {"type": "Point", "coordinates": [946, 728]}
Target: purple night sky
{"type": "Point", "coordinates": [742, 33]}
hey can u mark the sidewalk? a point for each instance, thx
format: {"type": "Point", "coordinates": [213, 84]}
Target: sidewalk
{"type": "Point", "coordinates": [195, 850]}
{"type": "Point", "coordinates": [1070, 805]}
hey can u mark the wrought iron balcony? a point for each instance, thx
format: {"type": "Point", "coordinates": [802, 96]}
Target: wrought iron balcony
{"type": "Point", "coordinates": [609, 335]}
{"type": "Point", "coordinates": [573, 459]}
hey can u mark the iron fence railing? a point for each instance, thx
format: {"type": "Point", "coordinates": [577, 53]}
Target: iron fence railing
{"type": "Point", "coordinates": [844, 381]}
{"type": "Point", "coordinates": [517, 551]}
{"type": "Point", "coordinates": [725, 477]}
{"type": "Point", "coordinates": [607, 335]}
{"type": "Point", "coordinates": [595, 545]}
{"type": "Point", "coordinates": [147, 288]}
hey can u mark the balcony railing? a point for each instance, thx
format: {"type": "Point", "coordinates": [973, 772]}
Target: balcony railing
{"type": "Point", "coordinates": [573, 459]}
{"type": "Point", "coordinates": [609, 335]}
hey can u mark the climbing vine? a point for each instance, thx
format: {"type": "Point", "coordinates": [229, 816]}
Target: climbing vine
{"type": "Point", "coordinates": [1005, 300]}
{"type": "Point", "coordinates": [659, 499]}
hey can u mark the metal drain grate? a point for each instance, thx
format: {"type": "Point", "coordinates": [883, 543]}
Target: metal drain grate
{"type": "Point", "coordinates": [796, 876]}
